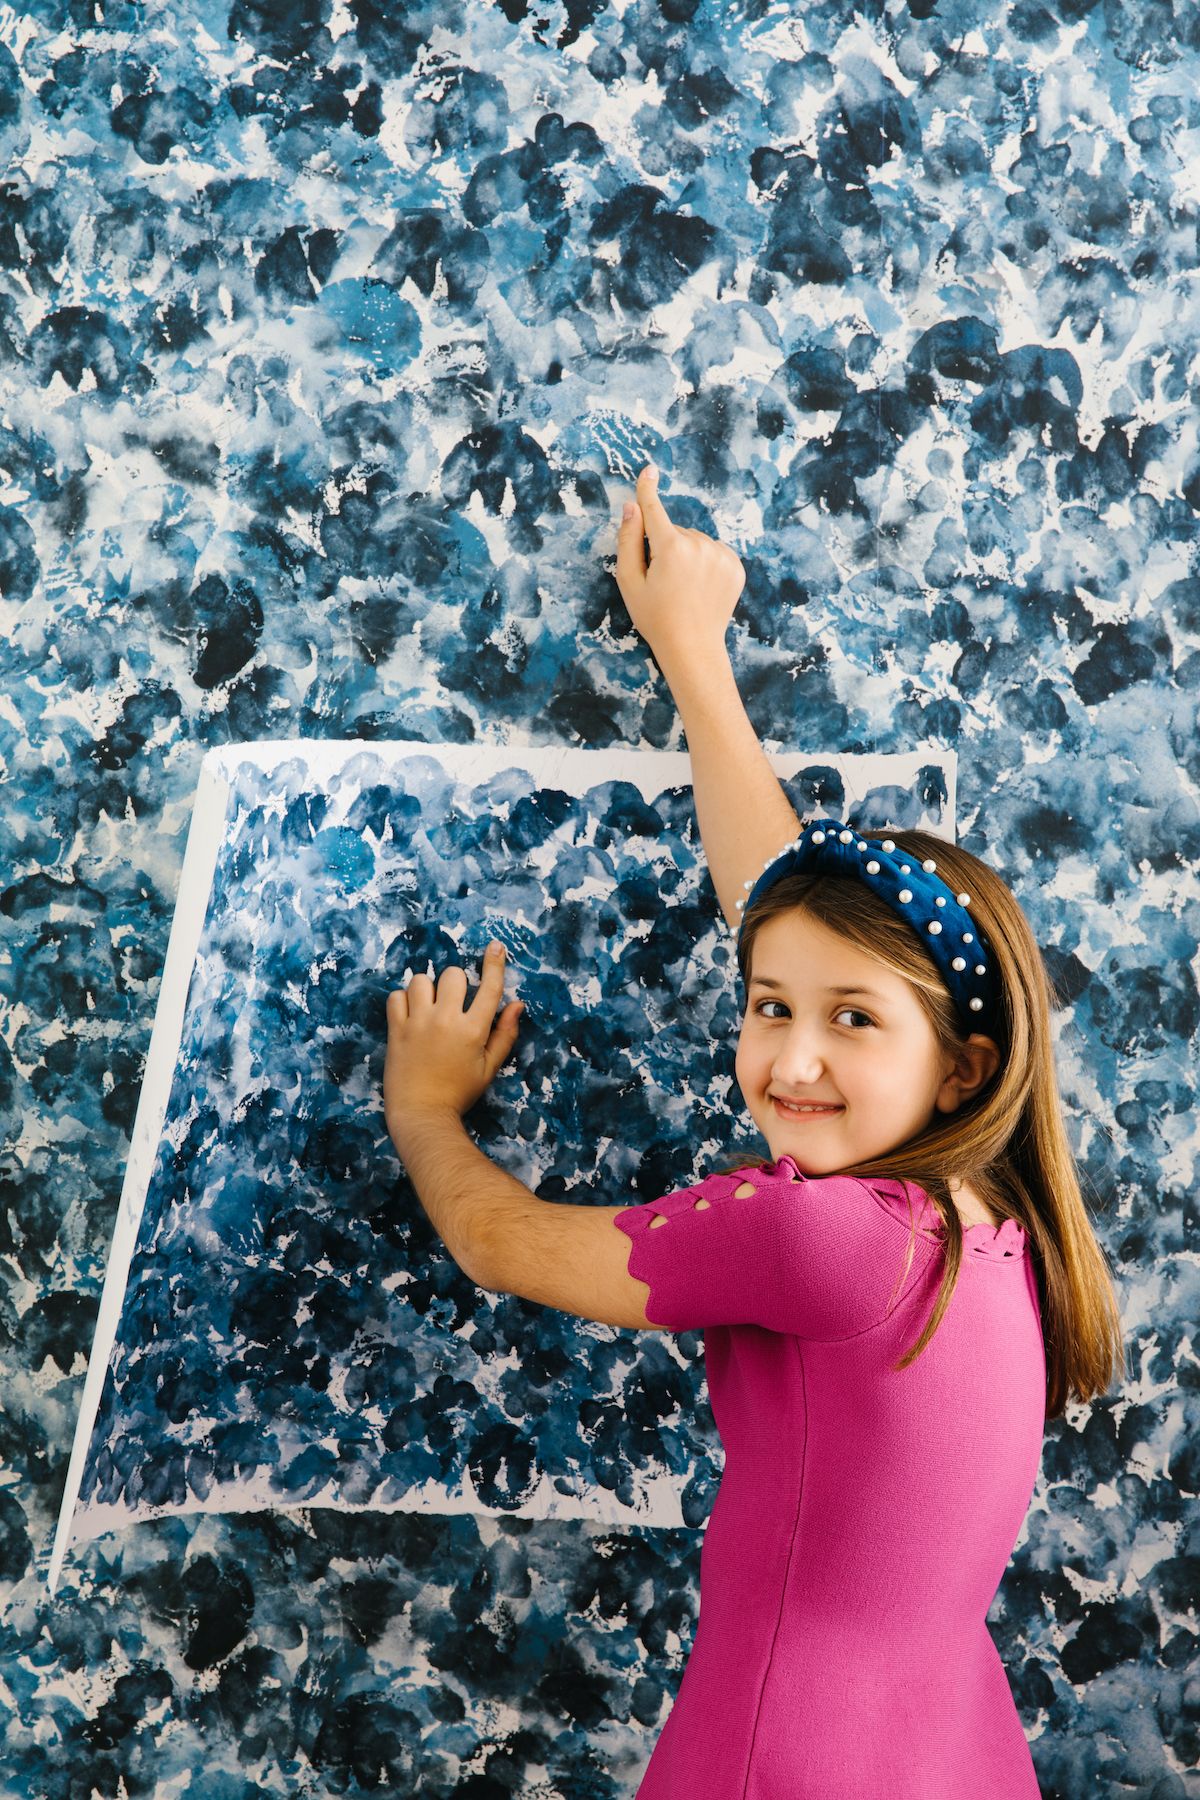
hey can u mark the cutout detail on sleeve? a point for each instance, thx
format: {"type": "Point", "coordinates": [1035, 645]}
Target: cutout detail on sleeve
{"type": "Point", "coordinates": [823, 1258]}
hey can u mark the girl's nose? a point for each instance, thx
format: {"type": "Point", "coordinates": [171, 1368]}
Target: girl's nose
{"type": "Point", "coordinates": [799, 1062]}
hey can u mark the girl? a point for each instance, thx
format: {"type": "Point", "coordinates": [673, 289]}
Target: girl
{"type": "Point", "coordinates": [893, 1301]}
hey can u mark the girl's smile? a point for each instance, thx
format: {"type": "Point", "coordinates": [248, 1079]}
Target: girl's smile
{"type": "Point", "coordinates": [803, 1109]}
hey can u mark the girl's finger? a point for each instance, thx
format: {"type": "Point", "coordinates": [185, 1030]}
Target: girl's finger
{"type": "Point", "coordinates": [504, 1036]}
{"type": "Point", "coordinates": [491, 984]}
{"type": "Point", "coordinates": [631, 551]}
{"type": "Point", "coordinates": [654, 514]}
{"type": "Point", "coordinates": [452, 985]}
{"type": "Point", "coordinates": [397, 1007]}
{"type": "Point", "coordinates": [420, 994]}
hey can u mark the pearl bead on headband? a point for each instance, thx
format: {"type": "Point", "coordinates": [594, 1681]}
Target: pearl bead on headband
{"type": "Point", "coordinates": [916, 893]}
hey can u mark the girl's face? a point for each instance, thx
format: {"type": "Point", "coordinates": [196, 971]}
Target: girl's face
{"type": "Point", "coordinates": [844, 1039]}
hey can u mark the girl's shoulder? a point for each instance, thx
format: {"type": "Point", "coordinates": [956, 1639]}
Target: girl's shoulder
{"type": "Point", "coordinates": [896, 1195]}
{"type": "Point", "coordinates": [983, 1234]}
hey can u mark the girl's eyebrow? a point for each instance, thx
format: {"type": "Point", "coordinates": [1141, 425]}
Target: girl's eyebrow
{"type": "Point", "coordinates": [767, 982]}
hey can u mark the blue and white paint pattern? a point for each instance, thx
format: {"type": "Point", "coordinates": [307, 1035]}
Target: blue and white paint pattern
{"type": "Point", "coordinates": [280, 1324]}
{"type": "Point", "coordinates": [329, 343]}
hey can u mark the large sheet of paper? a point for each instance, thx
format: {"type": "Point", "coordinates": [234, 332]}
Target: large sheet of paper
{"type": "Point", "coordinates": [280, 1325]}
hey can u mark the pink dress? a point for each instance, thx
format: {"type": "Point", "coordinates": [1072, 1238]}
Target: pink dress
{"type": "Point", "coordinates": [864, 1517]}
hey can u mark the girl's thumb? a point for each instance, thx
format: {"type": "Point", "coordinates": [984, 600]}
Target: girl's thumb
{"type": "Point", "coordinates": [502, 1038]}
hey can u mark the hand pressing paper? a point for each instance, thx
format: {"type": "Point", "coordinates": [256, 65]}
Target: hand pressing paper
{"type": "Point", "coordinates": [280, 1324]}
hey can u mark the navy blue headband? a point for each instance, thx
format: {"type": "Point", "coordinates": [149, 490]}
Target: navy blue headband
{"type": "Point", "coordinates": [916, 893]}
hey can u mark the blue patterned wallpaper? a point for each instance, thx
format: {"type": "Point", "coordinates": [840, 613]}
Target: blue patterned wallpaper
{"type": "Point", "coordinates": [331, 336]}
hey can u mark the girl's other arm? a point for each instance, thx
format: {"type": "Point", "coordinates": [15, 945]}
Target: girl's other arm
{"type": "Point", "coordinates": [441, 1057]}
{"type": "Point", "coordinates": [744, 815]}
{"type": "Point", "coordinates": [506, 1239]}
{"type": "Point", "coordinates": [682, 603]}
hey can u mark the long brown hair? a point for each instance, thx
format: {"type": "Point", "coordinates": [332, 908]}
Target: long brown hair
{"type": "Point", "coordinates": [1010, 1141]}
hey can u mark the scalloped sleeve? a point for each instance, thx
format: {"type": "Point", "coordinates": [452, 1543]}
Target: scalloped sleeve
{"type": "Point", "coordinates": [821, 1258]}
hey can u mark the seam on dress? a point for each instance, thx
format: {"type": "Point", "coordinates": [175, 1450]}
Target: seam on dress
{"type": "Point", "coordinates": [915, 1276]}
{"type": "Point", "coordinates": [783, 1586]}
{"type": "Point", "coordinates": [931, 1238]}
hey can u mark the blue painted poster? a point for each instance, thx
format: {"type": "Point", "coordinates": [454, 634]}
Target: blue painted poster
{"type": "Point", "coordinates": [280, 1324]}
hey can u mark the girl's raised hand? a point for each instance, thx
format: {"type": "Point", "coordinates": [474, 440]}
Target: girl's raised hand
{"type": "Point", "coordinates": [683, 600]}
{"type": "Point", "coordinates": [440, 1058]}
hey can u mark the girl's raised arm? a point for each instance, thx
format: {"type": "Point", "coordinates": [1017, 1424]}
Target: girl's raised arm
{"type": "Point", "coordinates": [682, 603]}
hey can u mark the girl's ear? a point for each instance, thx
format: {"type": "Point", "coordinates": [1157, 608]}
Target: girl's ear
{"type": "Point", "coordinates": [973, 1068]}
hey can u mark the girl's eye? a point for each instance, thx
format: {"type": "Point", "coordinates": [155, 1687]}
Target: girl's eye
{"type": "Point", "coordinates": [852, 1012]}
{"type": "Point", "coordinates": [762, 1003]}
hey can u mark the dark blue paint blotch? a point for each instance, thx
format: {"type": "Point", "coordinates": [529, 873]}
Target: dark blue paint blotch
{"type": "Point", "coordinates": [142, 715]}
{"type": "Point", "coordinates": [293, 33]}
{"type": "Point", "coordinates": [816, 380]}
{"type": "Point", "coordinates": [863, 127]}
{"type": "Point", "coordinates": [220, 1601]}
{"type": "Point", "coordinates": [802, 237]}
{"type": "Point", "coordinates": [963, 349]}
{"type": "Point", "coordinates": [226, 625]}
{"type": "Point", "coordinates": [1122, 655]}
{"type": "Point", "coordinates": [424, 246]}
{"type": "Point", "coordinates": [282, 272]}
{"type": "Point", "coordinates": [870, 428]}
{"type": "Point", "coordinates": [20, 568]}
{"type": "Point", "coordinates": [155, 122]}
{"type": "Point", "coordinates": [75, 339]}
{"type": "Point", "coordinates": [658, 248]}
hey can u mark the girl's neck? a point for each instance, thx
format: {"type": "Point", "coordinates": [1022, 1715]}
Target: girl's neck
{"type": "Point", "coordinates": [971, 1208]}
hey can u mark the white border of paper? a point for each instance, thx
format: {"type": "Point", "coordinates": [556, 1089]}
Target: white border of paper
{"type": "Point", "coordinates": [574, 770]}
